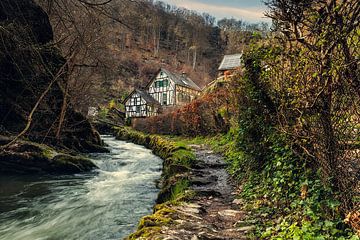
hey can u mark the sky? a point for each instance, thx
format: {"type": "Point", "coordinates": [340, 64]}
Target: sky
{"type": "Point", "coordinates": [249, 10]}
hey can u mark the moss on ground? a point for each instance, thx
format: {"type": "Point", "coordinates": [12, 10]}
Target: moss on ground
{"type": "Point", "coordinates": [160, 218]}
{"type": "Point", "coordinates": [145, 233]}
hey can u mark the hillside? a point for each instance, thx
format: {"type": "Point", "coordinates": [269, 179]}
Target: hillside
{"type": "Point", "coordinates": [119, 46]}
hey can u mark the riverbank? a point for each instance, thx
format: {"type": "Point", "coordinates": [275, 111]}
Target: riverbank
{"type": "Point", "coordinates": [26, 157]}
{"type": "Point", "coordinates": [106, 203]}
{"type": "Point", "coordinates": [197, 198]}
{"type": "Point", "coordinates": [178, 161]}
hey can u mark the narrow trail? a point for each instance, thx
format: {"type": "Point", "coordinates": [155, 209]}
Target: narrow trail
{"type": "Point", "coordinates": [213, 213]}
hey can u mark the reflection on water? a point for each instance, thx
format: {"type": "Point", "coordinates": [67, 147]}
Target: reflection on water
{"type": "Point", "coordinates": [104, 204]}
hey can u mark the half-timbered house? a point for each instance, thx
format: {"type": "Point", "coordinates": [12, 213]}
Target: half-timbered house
{"type": "Point", "coordinates": [140, 104]}
{"type": "Point", "coordinates": [171, 89]}
{"type": "Point", "coordinates": [166, 89]}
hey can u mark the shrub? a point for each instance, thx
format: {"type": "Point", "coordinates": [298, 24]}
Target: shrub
{"type": "Point", "coordinates": [206, 115]}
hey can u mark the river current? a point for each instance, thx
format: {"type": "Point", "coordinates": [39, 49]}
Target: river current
{"type": "Point", "coordinates": [104, 204]}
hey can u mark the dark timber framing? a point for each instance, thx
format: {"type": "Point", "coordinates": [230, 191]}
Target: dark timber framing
{"type": "Point", "coordinates": [166, 89]}
{"type": "Point", "coordinates": [140, 104]}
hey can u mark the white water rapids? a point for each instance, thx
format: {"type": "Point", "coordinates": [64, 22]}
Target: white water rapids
{"type": "Point", "coordinates": [105, 204]}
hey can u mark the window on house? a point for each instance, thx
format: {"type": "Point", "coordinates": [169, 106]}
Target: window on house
{"type": "Point", "coordinates": [164, 98]}
{"type": "Point", "coordinates": [159, 84]}
{"type": "Point", "coordinates": [138, 109]}
{"type": "Point", "coordinates": [166, 83]}
{"type": "Point", "coordinates": [180, 97]}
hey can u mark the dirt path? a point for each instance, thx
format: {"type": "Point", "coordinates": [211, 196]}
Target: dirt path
{"type": "Point", "coordinates": [214, 213]}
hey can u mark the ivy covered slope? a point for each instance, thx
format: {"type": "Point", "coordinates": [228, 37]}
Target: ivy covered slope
{"type": "Point", "coordinates": [178, 160]}
{"type": "Point", "coordinates": [289, 192]}
{"type": "Point", "coordinates": [32, 100]}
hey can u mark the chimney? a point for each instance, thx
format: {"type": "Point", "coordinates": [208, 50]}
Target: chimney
{"type": "Point", "coordinates": [183, 74]}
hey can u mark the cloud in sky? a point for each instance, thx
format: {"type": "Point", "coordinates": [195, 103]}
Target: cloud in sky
{"type": "Point", "coordinates": [225, 8]}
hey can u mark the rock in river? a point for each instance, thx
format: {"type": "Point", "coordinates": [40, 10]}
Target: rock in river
{"type": "Point", "coordinates": [31, 158]}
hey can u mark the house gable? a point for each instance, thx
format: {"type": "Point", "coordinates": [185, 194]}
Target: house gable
{"type": "Point", "coordinates": [162, 88]}
{"type": "Point", "coordinates": [140, 104]}
{"type": "Point", "coordinates": [171, 89]}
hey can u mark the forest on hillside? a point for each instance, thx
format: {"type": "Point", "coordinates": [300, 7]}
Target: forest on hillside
{"type": "Point", "coordinates": [59, 57]}
{"type": "Point", "coordinates": [118, 46]}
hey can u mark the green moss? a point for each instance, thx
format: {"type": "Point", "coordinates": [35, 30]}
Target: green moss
{"type": "Point", "coordinates": [159, 218]}
{"type": "Point", "coordinates": [179, 189]}
{"type": "Point", "coordinates": [144, 233]}
{"type": "Point", "coordinates": [44, 159]}
{"type": "Point", "coordinates": [183, 157]}
{"type": "Point", "coordinates": [49, 153]}
{"type": "Point", "coordinates": [72, 164]}
{"type": "Point", "coordinates": [151, 225]}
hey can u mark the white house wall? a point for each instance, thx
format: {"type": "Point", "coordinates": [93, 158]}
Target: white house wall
{"type": "Point", "coordinates": [158, 92]}
{"type": "Point", "coordinates": [136, 106]}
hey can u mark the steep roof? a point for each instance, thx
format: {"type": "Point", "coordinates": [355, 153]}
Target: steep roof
{"type": "Point", "coordinates": [181, 80]}
{"type": "Point", "coordinates": [144, 95]}
{"type": "Point", "coordinates": [147, 97]}
{"type": "Point", "coordinates": [230, 62]}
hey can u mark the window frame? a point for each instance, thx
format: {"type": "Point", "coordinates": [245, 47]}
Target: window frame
{"type": "Point", "coordinates": [164, 98]}
{"type": "Point", "coordinates": [166, 82]}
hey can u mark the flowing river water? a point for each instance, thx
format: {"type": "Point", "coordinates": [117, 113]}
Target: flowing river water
{"type": "Point", "coordinates": [104, 204]}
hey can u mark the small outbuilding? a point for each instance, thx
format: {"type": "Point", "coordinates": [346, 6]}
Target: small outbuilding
{"type": "Point", "coordinates": [229, 64]}
{"type": "Point", "coordinates": [140, 104]}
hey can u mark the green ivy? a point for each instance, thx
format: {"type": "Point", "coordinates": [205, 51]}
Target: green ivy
{"type": "Point", "coordinates": [283, 192]}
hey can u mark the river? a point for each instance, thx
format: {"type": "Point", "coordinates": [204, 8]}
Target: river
{"type": "Point", "coordinates": [104, 204]}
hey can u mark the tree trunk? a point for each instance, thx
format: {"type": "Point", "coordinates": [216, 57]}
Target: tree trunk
{"type": "Point", "coordinates": [62, 113]}
{"type": "Point", "coordinates": [156, 41]}
{"type": "Point", "coordinates": [329, 139]}
{"type": "Point", "coordinates": [194, 59]}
